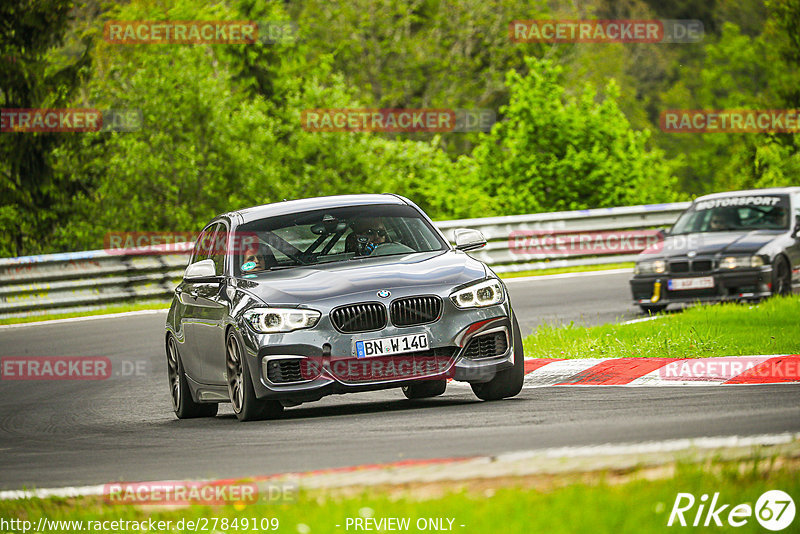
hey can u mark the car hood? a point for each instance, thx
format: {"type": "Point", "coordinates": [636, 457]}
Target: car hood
{"type": "Point", "coordinates": [710, 243]}
{"type": "Point", "coordinates": [330, 281]}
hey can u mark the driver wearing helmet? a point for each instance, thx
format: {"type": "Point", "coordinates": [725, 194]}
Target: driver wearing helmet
{"type": "Point", "coordinates": [367, 234]}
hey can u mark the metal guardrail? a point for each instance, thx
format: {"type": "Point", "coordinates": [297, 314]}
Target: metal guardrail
{"type": "Point", "coordinates": [69, 281]}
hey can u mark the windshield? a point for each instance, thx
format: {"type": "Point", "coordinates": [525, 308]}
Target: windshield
{"type": "Point", "coordinates": [734, 214]}
{"type": "Point", "coordinates": [335, 235]}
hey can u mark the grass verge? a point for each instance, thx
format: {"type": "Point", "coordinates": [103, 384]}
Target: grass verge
{"type": "Point", "coordinates": [120, 308]}
{"type": "Point", "coordinates": [729, 329]}
{"type": "Point", "coordinates": [576, 269]}
{"type": "Point", "coordinates": [594, 502]}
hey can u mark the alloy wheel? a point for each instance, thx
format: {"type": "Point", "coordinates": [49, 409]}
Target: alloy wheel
{"type": "Point", "coordinates": [173, 372]}
{"type": "Point", "coordinates": [235, 381]}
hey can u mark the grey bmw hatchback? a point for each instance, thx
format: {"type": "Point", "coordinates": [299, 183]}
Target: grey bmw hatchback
{"type": "Point", "coordinates": [286, 303]}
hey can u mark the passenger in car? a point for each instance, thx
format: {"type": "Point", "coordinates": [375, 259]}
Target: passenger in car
{"type": "Point", "coordinates": [257, 259]}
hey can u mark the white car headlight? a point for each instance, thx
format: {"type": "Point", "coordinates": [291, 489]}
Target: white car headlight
{"type": "Point", "coordinates": [741, 262]}
{"type": "Point", "coordinates": [647, 267]}
{"type": "Point", "coordinates": [486, 293]}
{"type": "Point", "coordinates": [271, 320]}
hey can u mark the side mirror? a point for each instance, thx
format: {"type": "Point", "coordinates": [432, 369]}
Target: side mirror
{"type": "Point", "coordinates": [796, 225]}
{"type": "Point", "coordinates": [199, 270]}
{"type": "Point", "coordinates": [468, 239]}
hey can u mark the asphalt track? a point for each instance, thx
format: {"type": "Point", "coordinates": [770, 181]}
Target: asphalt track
{"type": "Point", "coordinates": [64, 433]}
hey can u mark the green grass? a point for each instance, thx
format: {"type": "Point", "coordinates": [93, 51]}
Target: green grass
{"type": "Point", "coordinates": [770, 327]}
{"type": "Point", "coordinates": [592, 503]}
{"type": "Point", "coordinates": [576, 269]}
{"type": "Point", "coordinates": [120, 308]}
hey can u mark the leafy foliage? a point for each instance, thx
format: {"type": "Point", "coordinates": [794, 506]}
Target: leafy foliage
{"type": "Point", "coordinates": [34, 75]}
{"type": "Point", "coordinates": [577, 123]}
{"type": "Point", "coordinates": [559, 152]}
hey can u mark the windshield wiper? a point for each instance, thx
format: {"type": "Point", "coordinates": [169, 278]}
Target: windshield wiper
{"type": "Point", "coordinates": [282, 267]}
{"type": "Point", "coordinates": [386, 255]}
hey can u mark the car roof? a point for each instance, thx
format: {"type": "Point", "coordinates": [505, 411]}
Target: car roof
{"type": "Point", "coordinates": [750, 192]}
{"type": "Point", "coordinates": [307, 204]}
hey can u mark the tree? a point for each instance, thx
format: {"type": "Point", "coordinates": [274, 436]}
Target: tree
{"type": "Point", "coordinates": [222, 131]}
{"type": "Point", "coordinates": [35, 73]}
{"type": "Point", "coordinates": [559, 152]}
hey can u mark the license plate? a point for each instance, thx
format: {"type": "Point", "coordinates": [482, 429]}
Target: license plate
{"type": "Point", "coordinates": [677, 284]}
{"type": "Point", "coordinates": [387, 346]}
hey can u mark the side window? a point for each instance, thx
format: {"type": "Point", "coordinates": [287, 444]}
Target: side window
{"type": "Point", "coordinates": [796, 215]}
{"type": "Point", "coordinates": [202, 247]}
{"type": "Point", "coordinates": [219, 247]}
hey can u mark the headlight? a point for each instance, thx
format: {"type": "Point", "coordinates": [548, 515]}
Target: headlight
{"type": "Point", "coordinates": [486, 293]}
{"type": "Point", "coordinates": [271, 320]}
{"type": "Point", "coordinates": [647, 267]}
{"type": "Point", "coordinates": [741, 262]}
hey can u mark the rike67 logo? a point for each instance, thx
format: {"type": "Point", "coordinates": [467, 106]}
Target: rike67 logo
{"type": "Point", "coordinates": [774, 510]}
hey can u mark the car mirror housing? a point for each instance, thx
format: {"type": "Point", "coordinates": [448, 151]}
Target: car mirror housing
{"type": "Point", "coordinates": [796, 226]}
{"type": "Point", "coordinates": [198, 270]}
{"type": "Point", "coordinates": [469, 239]}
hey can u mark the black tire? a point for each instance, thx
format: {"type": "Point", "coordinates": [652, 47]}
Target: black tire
{"type": "Point", "coordinates": [781, 277]}
{"type": "Point", "coordinates": [182, 403]}
{"type": "Point", "coordinates": [425, 389]}
{"type": "Point", "coordinates": [651, 309]}
{"type": "Point", "coordinates": [246, 405]}
{"type": "Point", "coordinates": [508, 382]}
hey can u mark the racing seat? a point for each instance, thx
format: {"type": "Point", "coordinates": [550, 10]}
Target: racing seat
{"type": "Point", "coordinates": [351, 242]}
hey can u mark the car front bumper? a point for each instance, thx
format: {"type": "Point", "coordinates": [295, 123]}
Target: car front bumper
{"type": "Point", "coordinates": [325, 363]}
{"type": "Point", "coordinates": [745, 284]}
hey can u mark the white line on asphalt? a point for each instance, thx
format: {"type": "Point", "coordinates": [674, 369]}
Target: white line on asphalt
{"type": "Point", "coordinates": [516, 463]}
{"type": "Point", "coordinates": [64, 493]}
{"type": "Point", "coordinates": [645, 319]}
{"type": "Point", "coordinates": [87, 318]}
{"type": "Point", "coordinates": [670, 445]}
{"type": "Point", "coordinates": [565, 275]}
